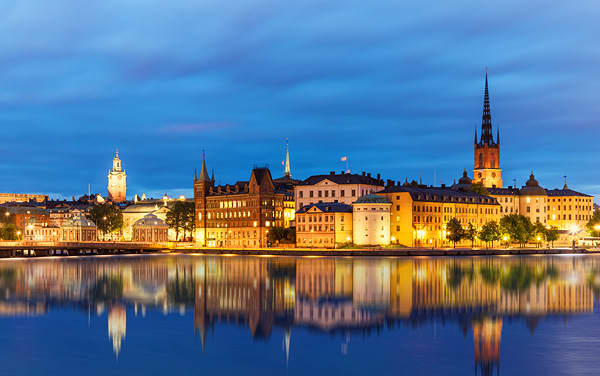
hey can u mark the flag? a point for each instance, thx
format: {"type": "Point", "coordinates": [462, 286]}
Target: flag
{"type": "Point", "coordinates": [344, 158]}
{"type": "Point", "coordinates": [282, 163]}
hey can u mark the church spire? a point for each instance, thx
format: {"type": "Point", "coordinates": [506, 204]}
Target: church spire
{"type": "Point", "coordinates": [486, 120]}
{"type": "Point", "coordinates": [203, 172]}
{"type": "Point", "coordinates": [287, 171]}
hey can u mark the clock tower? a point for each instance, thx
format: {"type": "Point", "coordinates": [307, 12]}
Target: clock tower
{"type": "Point", "coordinates": [117, 181]}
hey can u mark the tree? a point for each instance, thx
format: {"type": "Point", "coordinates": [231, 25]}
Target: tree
{"type": "Point", "coordinates": [518, 227]}
{"type": "Point", "coordinates": [9, 232]}
{"type": "Point", "coordinates": [107, 217]}
{"type": "Point", "coordinates": [479, 188]}
{"type": "Point", "coordinates": [454, 231]}
{"type": "Point", "coordinates": [593, 225]}
{"type": "Point", "coordinates": [282, 235]}
{"type": "Point", "coordinates": [539, 231]}
{"type": "Point", "coordinates": [471, 234]}
{"type": "Point", "coordinates": [490, 232]}
{"type": "Point", "coordinates": [551, 235]}
{"type": "Point", "coordinates": [181, 217]}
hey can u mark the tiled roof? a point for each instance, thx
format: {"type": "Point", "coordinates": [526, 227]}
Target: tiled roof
{"type": "Point", "coordinates": [327, 207]}
{"type": "Point", "coordinates": [503, 191]}
{"type": "Point", "coordinates": [437, 194]}
{"type": "Point", "coordinates": [372, 199]}
{"type": "Point", "coordinates": [343, 179]}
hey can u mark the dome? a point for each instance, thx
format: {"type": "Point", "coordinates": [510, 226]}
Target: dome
{"type": "Point", "coordinates": [465, 179]}
{"type": "Point", "coordinates": [532, 187]}
{"type": "Point", "coordinates": [79, 221]}
{"type": "Point", "coordinates": [150, 220]}
{"type": "Point", "coordinates": [372, 199]}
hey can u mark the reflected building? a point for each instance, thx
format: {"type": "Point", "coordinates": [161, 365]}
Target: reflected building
{"type": "Point", "coordinates": [117, 327]}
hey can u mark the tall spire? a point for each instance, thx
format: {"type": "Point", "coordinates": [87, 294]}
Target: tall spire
{"type": "Point", "coordinates": [287, 171]}
{"type": "Point", "coordinates": [203, 173]}
{"type": "Point", "coordinates": [486, 120]}
{"type": "Point", "coordinates": [476, 134]}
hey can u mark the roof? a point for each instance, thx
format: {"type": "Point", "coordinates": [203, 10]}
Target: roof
{"type": "Point", "coordinates": [150, 220]}
{"type": "Point", "coordinates": [532, 188]}
{"type": "Point", "coordinates": [510, 191]}
{"type": "Point", "coordinates": [327, 207]}
{"type": "Point", "coordinates": [79, 221]}
{"type": "Point", "coordinates": [438, 194]}
{"type": "Point", "coordinates": [143, 208]}
{"type": "Point", "coordinates": [343, 179]}
{"type": "Point", "coordinates": [565, 192]}
{"type": "Point", "coordinates": [23, 210]}
{"type": "Point", "coordinates": [372, 199]}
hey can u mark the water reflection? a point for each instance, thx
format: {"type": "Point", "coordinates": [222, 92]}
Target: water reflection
{"type": "Point", "coordinates": [325, 294]}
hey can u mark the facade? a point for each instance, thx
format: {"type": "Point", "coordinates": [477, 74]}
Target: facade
{"type": "Point", "coordinates": [22, 197]}
{"type": "Point", "coordinates": [419, 214]}
{"type": "Point", "coordinates": [135, 212]}
{"type": "Point", "coordinates": [117, 181]}
{"type": "Point", "coordinates": [564, 208]}
{"type": "Point", "coordinates": [240, 215]}
{"type": "Point", "coordinates": [79, 229]}
{"type": "Point", "coordinates": [150, 229]}
{"type": "Point", "coordinates": [487, 169]}
{"type": "Point", "coordinates": [40, 231]}
{"type": "Point", "coordinates": [324, 225]}
{"type": "Point", "coordinates": [371, 220]}
{"type": "Point", "coordinates": [21, 215]}
{"type": "Point", "coordinates": [342, 188]}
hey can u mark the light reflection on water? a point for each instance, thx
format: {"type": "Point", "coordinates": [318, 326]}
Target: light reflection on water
{"type": "Point", "coordinates": [366, 303]}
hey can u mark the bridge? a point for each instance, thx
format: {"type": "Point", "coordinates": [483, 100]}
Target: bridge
{"type": "Point", "coordinates": [33, 248]}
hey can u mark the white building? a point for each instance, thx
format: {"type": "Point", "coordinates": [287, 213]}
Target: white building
{"type": "Point", "coordinates": [343, 188]}
{"type": "Point", "coordinates": [371, 220]}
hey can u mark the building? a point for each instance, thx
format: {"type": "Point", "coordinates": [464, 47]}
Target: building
{"type": "Point", "coordinates": [419, 214]}
{"type": "Point", "coordinates": [371, 220]}
{"type": "Point", "coordinates": [324, 225]}
{"type": "Point", "coordinates": [568, 209]}
{"type": "Point", "coordinates": [117, 181]}
{"type": "Point", "coordinates": [22, 197]}
{"type": "Point", "coordinates": [487, 169]}
{"type": "Point", "coordinates": [150, 229]}
{"type": "Point", "coordinates": [240, 215]}
{"type": "Point", "coordinates": [39, 230]}
{"type": "Point", "coordinates": [564, 208]}
{"type": "Point", "coordinates": [79, 229]}
{"type": "Point", "coordinates": [21, 215]}
{"type": "Point", "coordinates": [139, 210]}
{"type": "Point", "coordinates": [342, 188]}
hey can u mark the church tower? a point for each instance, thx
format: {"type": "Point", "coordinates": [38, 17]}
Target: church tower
{"type": "Point", "coordinates": [117, 181]}
{"type": "Point", "coordinates": [202, 188]}
{"type": "Point", "coordinates": [487, 150]}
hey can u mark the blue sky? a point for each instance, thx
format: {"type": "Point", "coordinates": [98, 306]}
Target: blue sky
{"type": "Point", "coordinates": [396, 86]}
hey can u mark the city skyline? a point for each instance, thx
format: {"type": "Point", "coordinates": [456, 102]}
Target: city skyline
{"type": "Point", "coordinates": [400, 96]}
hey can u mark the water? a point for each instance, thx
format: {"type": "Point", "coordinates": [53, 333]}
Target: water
{"type": "Point", "coordinates": [193, 314]}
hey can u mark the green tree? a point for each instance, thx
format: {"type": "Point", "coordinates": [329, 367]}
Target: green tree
{"type": "Point", "coordinates": [454, 231]}
{"type": "Point", "coordinates": [539, 232]}
{"type": "Point", "coordinates": [551, 235]}
{"type": "Point", "coordinates": [593, 225]}
{"type": "Point", "coordinates": [107, 217]}
{"type": "Point", "coordinates": [181, 217]}
{"type": "Point", "coordinates": [490, 232]}
{"type": "Point", "coordinates": [471, 234]}
{"type": "Point", "coordinates": [280, 235]}
{"type": "Point", "coordinates": [518, 227]}
{"type": "Point", "coordinates": [9, 232]}
{"type": "Point", "coordinates": [480, 189]}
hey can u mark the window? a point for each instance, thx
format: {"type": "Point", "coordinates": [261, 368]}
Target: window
{"type": "Point", "coordinates": [300, 193]}
{"type": "Point", "coordinates": [354, 193]}
{"type": "Point", "coordinates": [320, 193]}
{"type": "Point", "coordinates": [342, 193]}
{"type": "Point", "coordinates": [311, 194]}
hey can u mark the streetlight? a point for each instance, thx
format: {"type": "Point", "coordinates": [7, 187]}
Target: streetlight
{"type": "Point", "coordinates": [574, 230]}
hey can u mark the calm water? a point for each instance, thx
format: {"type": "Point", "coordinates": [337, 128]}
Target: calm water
{"type": "Point", "coordinates": [179, 315]}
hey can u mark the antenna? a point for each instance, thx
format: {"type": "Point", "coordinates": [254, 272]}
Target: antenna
{"type": "Point", "coordinates": [89, 190]}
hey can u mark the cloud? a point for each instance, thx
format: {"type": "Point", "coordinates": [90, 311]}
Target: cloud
{"type": "Point", "coordinates": [186, 129]}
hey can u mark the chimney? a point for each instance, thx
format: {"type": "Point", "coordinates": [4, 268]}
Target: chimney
{"type": "Point", "coordinates": [443, 185]}
{"type": "Point", "coordinates": [368, 174]}
{"type": "Point", "coordinates": [342, 172]}
{"type": "Point", "coordinates": [331, 172]}
{"type": "Point", "coordinates": [388, 183]}
{"type": "Point", "coordinates": [363, 173]}
{"type": "Point", "coordinates": [378, 176]}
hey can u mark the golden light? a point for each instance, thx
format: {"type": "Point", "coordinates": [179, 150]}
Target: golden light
{"type": "Point", "coordinates": [394, 238]}
{"type": "Point", "coordinates": [574, 229]}
{"type": "Point", "coordinates": [597, 227]}
{"type": "Point", "coordinates": [538, 238]}
{"type": "Point", "coordinates": [348, 238]}
{"type": "Point", "coordinates": [505, 238]}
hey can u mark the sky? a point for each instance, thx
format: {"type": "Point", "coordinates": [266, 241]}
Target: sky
{"type": "Point", "coordinates": [397, 86]}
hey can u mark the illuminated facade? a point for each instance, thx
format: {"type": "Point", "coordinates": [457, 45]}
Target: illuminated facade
{"type": "Point", "coordinates": [21, 197]}
{"type": "Point", "coordinates": [240, 215]}
{"type": "Point", "coordinates": [342, 188]}
{"type": "Point", "coordinates": [323, 225]}
{"type": "Point", "coordinates": [419, 214]}
{"type": "Point", "coordinates": [117, 181]}
{"type": "Point", "coordinates": [151, 229]}
{"type": "Point", "coordinates": [371, 220]}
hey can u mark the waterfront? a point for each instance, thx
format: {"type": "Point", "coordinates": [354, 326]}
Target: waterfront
{"type": "Point", "coordinates": [191, 314]}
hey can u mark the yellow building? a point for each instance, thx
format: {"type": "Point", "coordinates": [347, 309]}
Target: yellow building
{"type": "Point", "coordinates": [568, 209]}
{"type": "Point", "coordinates": [419, 214]}
{"type": "Point", "coordinates": [323, 225]}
